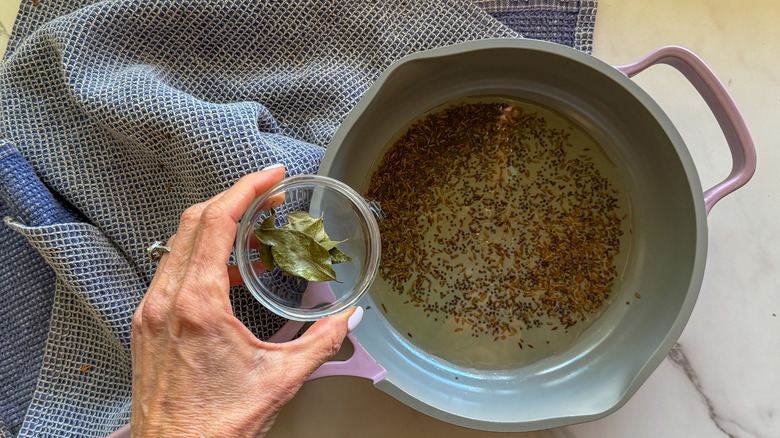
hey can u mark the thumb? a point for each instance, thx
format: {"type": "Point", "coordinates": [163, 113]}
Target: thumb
{"type": "Point", "coordinates": [323, 339]}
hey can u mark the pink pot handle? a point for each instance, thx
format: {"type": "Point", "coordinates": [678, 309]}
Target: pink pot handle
{"type": "Point", "coordinates": [743, 151]}
{"type": "Point", "coordinates": [360, 364]}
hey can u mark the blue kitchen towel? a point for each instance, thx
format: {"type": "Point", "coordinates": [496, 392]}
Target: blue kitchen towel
{"type": "Point", "coordinates": [116, 115]}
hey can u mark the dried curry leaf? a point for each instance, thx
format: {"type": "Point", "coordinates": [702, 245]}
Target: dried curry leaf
{"type": "Point", "coordinates": [300, 217]}
{"type": "Point", "coordinates": [264, 249]}
{"type": "Point", "coordinates": [300, 248]}
{"type": "Point", "coordinates": [305, 223]}
{"type": "Point", "coordinates": [266, 257]}
{"type": "Point", "coordinates": [314, 228]}
{"type": "Point", "coordinates": [338, 256]}
{"type": "Point", "coordinates": [269, 221]}
{"type": "Point", "coordinates": [330, 244]}
{"type": "Point", "coordinates": [298, 254]}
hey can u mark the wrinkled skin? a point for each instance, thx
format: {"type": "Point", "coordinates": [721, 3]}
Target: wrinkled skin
{"type": "Point", "coordinates": [197, 370]}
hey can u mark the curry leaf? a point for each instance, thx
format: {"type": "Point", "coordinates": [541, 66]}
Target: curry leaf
{"type": "Point", "coordinates": [298, 254]}
{"type": "Point", "coordinates": [269, 221]}
{"type": "Point", "coordinates": [338, 256]}
{"type": "Point", "coordinates": [315, 228]}
{"type": "Point", "coordinates": [300, 248]}
{"type": "Point", "coordinates": [266, 257]}
{"type": "Point", "coordinates": [300, 217]}
{"type": "Point", "coordinates": [330, 244]}
{"type": "Point", "coordinates": [304, 222]}
{"type": "Point", "coordinates": [264, 249]}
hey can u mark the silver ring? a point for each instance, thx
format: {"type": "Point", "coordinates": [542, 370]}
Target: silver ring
{"type": "Point", "coordinates": [156, 251]}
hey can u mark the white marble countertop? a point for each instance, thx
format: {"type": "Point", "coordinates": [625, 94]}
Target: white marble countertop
{"type": "Point", "coordinates": [723, 377]}
{"type": "Point", "coordinates": [8, 10]}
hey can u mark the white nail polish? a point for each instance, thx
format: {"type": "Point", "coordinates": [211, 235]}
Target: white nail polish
{"type": "Point", "coordinates": [272, 166]}
{"type": "Point", "coordinates": [355, 319]}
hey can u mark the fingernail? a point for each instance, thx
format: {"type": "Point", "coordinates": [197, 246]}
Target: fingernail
{"type": "Point", "coordinates": [355, 319]}
{"type": "Point", "coordinates": [273, 166]}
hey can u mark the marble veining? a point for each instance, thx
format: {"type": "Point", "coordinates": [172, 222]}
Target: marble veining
{"type": "Point", "coordinates": [678, 357]}
{"type": "Point", "coordinates": [8, 10]}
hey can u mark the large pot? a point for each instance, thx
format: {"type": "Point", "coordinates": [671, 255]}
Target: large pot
{"type": "Point", "coordinates": [615, 355]}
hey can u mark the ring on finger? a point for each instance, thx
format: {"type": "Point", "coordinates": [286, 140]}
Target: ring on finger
{"type": "Point", "coordinates": [157, 250]}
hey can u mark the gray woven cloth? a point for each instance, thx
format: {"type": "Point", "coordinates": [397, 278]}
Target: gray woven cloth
{"type": "Point", "coordinates": [118, 114]}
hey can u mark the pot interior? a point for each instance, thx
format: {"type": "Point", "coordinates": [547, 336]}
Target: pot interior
{"type": "Point", "coordinates": [665, 263]}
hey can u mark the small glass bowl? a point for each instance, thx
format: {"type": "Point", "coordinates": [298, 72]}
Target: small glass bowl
{"type": "Point", "coordinates": [346, 216]}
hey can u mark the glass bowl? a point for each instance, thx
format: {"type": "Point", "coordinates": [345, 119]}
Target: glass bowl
{"type": "Point", "coordinates": [346, 217]}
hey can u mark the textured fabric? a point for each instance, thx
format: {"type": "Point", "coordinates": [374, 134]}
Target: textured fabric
{"type": "Point", "coordinates": [116, 115]}
{"type": "Point", "coordinates": [566, 22]}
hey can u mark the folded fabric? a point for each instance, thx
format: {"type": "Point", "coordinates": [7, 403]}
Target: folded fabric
{"type": "Point", "coordinates": [118, 114]}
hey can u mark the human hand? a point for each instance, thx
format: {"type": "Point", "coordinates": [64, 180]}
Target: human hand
{"type": "Point", "coordinates": [197, 370]}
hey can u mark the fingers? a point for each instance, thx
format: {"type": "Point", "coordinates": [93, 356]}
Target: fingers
{"type": "Point", "coordinates": [173, 266]}
{"type": "Point", "coordinates": [236, 200]}
{"type": "Point", "coordinates": [164, 258]}
{"type": "Point", "coordinates": [322, 341]}
{"type": "Point", "coordinates": [273, 202]}
{"type": "Point", "coordinates": [161, 267]}
{"type": "Point", "coordinates": [219, 219]}
{"type": "Point", "coordinates": [202, 244]}
{"type": "Point", "coordinates": [216, 235]}
{"type": "Point", "coordinates": [235, 275]}
{"type": "Point", "coordinates": [355, 319]}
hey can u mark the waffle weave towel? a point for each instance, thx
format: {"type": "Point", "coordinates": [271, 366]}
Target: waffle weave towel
{"type": "Point", "coordinates": [116, 115]}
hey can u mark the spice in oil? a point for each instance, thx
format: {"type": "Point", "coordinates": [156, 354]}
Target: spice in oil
{"type": "Point", "coordinates": [505, 228]}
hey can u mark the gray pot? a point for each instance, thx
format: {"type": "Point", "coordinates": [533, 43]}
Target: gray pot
{"type": "Point", "coordinates": [615, 355]}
